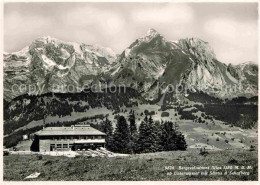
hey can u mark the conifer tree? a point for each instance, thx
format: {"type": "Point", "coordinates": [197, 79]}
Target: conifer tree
{"type": "Point", "coordinates": [121, 136]}
{"type": "Point", "coordinates": [158, 131]}
{"type": "Point", "coordinates": [171, 138]}
{"type": "Point", "coordinates": [180, 142]}
{"type": "Point", "coordinates": [149, 140]}
{"type": "Point", "coordinates": [154, 136]}
{"type": "Point", "coordinates": [107, 128]}
{"type": "Point", "coordinates": [168, 137]}
{"type": "Point", "coordinates": [131, 119]}
{"type": "Point", "coordinates": [141, 142]}
{"type": "Point", "coordinates": [133, 143]}
{"type": "Point", "coordinates": [133, 133]}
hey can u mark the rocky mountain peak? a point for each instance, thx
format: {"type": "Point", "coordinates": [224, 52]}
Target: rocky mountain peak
{"type": "Point", "coordinates": [151, 32]}
{"type": "Point", "coordinates": [198, 48]}
{"type": "Point", "coordinates": [47, 39]}
{"type": "Point", "coordinates": [148, 60]}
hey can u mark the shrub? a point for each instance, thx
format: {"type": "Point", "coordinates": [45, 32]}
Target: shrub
{"type": "Point", "coordinates": [252, 148]}
{"type": "Point", "coordinates": [232, 161]}
{"type": "Point", "coordinates": [39, 157]}
{"type": "Point", "coordinates": [152, 113]}
{"type": "Point", "coordinates": [147, 113]}
{"type": "Point", "coordinates": [226, 141]}
{"type": "Point", "coordinates": [47, 162]}
{"type": "Point", "coordinates": [203, 152]}
{"type": "Point", "coordinates": [165, 114]}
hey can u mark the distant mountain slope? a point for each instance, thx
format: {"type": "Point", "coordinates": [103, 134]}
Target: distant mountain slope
{"type": "Point", "coordinates": [152, 61]}
{"type": "Point", "coordinates": [49, 61]}
{"type": "Point", "coordinates": [149, 62]}
{"type": "Point", "coordinates": [26, 108]}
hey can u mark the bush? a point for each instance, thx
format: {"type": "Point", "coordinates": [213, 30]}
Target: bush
{"type": "Point", "coordinates": [152, 113]}
{"type": "Point", "coordinates": [232, 161]}
{"type": "Point", "coordinates": [165, 114]}
{"type": "Point", "coordinates": [226, 141]}
{"type": "Point", "coordinates": [252, 148]}
{"type": "Point", "coordinates": [147, 113]}
{"type": "Point", "coordinates": [203, 152]}
{"type": "Point", "coordinates": [188, 115]}
{"type": "Point", "coordinates": [116, 117]}
{"type": "Point", "coordinates": [39, 157]}
{"type": "Point", "coordinates": [47, 162]}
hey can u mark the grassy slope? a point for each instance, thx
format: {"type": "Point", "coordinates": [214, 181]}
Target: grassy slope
{"type": "Point", "coordinates": [194, 132]}
{"type": "Point", "coordinates": [135, 167]}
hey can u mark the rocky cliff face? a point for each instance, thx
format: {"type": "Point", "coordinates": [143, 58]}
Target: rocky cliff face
{"type": "Point", "coordinates": [49, 65]}
{"type": "Point", "coordinates": [143, 62]}
{"type": "Point", "coordinates": [148, 63]}
{"type": "Point", "coordinates": [152, 61]}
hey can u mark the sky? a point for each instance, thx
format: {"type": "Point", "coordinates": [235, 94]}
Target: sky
{"type": "Point", "coordinates": [229, 28]}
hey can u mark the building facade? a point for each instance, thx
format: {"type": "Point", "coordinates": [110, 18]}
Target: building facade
{"type": "Point", "coordinates": [76, 137]}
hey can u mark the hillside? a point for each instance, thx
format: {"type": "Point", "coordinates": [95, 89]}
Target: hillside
{"type": "Point", "coordinates": [143, 167]}
{"type": "Point", "coordinates": [51, 65]}
{"type": "Point", "coordinates": [61, 83]}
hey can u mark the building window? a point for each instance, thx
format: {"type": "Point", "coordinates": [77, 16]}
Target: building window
{"type": "Point", "coordinates": [58, 145]}
{"type": "Point", "coordinates": [70, 145]}
{"type": "Point", "coordinates": [65, 145]}
{"type": "Point", "coordinates": [52, 147]}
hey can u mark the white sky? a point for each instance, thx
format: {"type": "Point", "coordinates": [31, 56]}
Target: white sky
{"type": "Point", "coordinates": [230, 28]}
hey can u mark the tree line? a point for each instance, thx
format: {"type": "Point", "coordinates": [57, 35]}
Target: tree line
{"type": "Point", "coordinates": [60, 104]}
{"type": "Point", "coordinates": [151, 136]}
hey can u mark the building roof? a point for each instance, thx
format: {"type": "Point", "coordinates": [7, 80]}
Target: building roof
{"type": "Point", "coordinates": [73, 130]}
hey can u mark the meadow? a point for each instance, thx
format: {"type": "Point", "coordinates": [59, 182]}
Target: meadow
{"type": "Point", "coordinates": [139, 167]}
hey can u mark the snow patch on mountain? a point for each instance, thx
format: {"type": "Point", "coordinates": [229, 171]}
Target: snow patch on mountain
{"type": "Point", "coordinates": [148, 60]}
{"type": "Point", "coordinates": [48, 63]}
{"type": "Point", "coordinates": [231, 78]}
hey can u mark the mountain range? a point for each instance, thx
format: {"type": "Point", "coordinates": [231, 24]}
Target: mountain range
{"type": "Point", "coordinates": [150, 61]}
